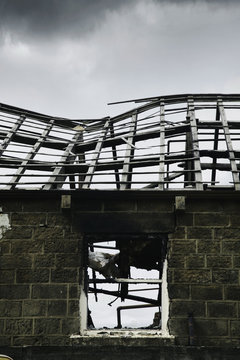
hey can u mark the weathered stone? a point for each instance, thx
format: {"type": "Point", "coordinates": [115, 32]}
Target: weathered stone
{"type": "Point", "coordinates": [1, 326]}
{"type": "Point", "coordinates": [179, 326]}
{"type": "Point", "coordinates": [5, 341]}
{"type": "Point", "coordinates": [59, 340]}
{"type": "Point", "coordinates": [236, 261]}
{"type": "Point", "coordinates": [211, 219]}
{"type": "Point", "coordinates": [179, 233]}
{"type": "Point", "coordinates": [26, 246]}
{"type": "Point", "coordinates": [16, 262]}
{"type": "Point", "coordinates": [34, 308]}
{"type": "Point", "coordinates": [66, 275]}
{"type": "Point", "coordinates": [74, 291]}
{"type": "Point", "coordinates": [47, 234]}
{"type": "Point", "coordinates": [49, 291]}
{"type": "Point", "coordinates": [65, 260]}
{"type": "Point", "coordinates": [208, 247]}
{"type": "Point", "coordinates": [184, 219]}
{"type": "Point", "coordinates": [73, 308]}
{"type": "Point", "coordinates": [235, 328]}
{"type": "Point", "coordinates": [47, 326]}
{"type": "Point", "coordinates": [4, 247]}
{"type": "Point", "coordinates": [10, 308]}
{"type": "Point", "coordinates": [32, 276]}
{"type": "Point", "coordinates": [12, 292]}
{"type": "Point", "coordinates": [225, 276]}
{"type": "Point", "coordinates": [72, 247]}
{"type": "Point", "coordinates": [58, 246]}
{"type": "Point", "coordinates": [19, 326]}
{"type": "Point", "coordinates": [195, 261]}
{"type": "Point", "coordinates": [56, 219]}
{"type": "Point", "coordinates": [231, 247]}
{"type": "Point", "coordinates": [183, 247]}
{"type": "Point", "coordinates": [192, 276]}
{"type": "Point", "coordinates": [156, 205]}
{"type": "Point", "coordinates": [176, 261]}
{"type": "Point", "coordinates": [228, 233]}
{"type": "Point", "coordinates": [19, 232]}
{"type": "Point", "coordinates": [219, 261]}
{"type": "Point", "coordinates": [42, 261]}
{"type": "Point", "coordinates": [7, 276]}
{"type": "Point", "coordinates": [87, 205]}
{"type": "Point", "coordinates": [199, 233]}
{"type": "Point", "coordinates": [235, 220]}
{"type": "Point", "coordinates": [10, 205]}
{"type": "Point", "coordinates": [31, 340]}
{"type": "Point", "coordinates": [222, 309]}
{"type": "Point", "coordinates": [183, 308]}
{"type": "Point", "coordinates": [29, 218]}
{"type": "Point", "coordinates": [176, 291]}
{"type": "Point", "coordinates": [120, 205]}
{"type": "Point", "coordinates": [57, 308]}
{"type": "Point", "coordinates": [117, 222]}
{"type": "Point", "coordinates": [207, 292]}
{"type": "Point", "coordinates": [232, 292]}
{"type": "Point", "coordinates": [211, 327]}
{"type": "Point", "coordinates": [41, 205]}
{"type": "Point", "coordinates": [70, 326]}
{"type": "Point", "coordinates": [204, 205]}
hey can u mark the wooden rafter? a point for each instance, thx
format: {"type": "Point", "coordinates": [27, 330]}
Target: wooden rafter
{"type": "Point", "coordinates": [195, 145]}
{"type": "Point", "coordinates": [129, 153]}
{"type": "Point", "coordinates": [235, 172]}
{"type": "Point", "coordinates": [175, 150]}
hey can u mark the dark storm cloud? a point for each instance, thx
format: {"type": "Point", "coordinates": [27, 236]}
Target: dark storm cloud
{"type": "Point", "coordinates": [41, 18]}
{"type": "Point", "coordinates": [54, 17]}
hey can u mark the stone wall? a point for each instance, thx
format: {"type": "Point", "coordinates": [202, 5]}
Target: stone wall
{"type": "Point", "coordinates": [39, 278]}
{"type": "Point", "coordinates": [204, 264]}
{"type": "Point", "coordinates": [41, 261]}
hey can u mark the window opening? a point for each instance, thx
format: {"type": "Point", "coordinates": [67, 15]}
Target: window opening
{"type": "Point", "coordinates": [124, 281]}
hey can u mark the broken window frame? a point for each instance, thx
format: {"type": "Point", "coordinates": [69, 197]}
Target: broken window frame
{"type": "Point", "coordinates": [83, 302]}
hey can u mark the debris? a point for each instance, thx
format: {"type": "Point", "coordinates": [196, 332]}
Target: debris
{"type": "Point", "coordinates": [104, 263]}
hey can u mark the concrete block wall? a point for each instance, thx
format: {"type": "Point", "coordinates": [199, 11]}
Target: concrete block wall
{"type": "Point", "coordinates": [204, 265]}
{"type": "Point", "coordinates": [39, 276]}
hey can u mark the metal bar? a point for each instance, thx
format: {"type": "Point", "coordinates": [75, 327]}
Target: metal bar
{"type": "Point", "coordinates": [130, 297]}
{"type": "Point", "coordinates": [69, 156]}
{"type": "Point", "coordinates": [20, 171]}
{"type": "Point", "coordinates": [95, 158]}
{"type": "Point", "coordinates": [226, 131]}
{"type": "Point", "coordinates": [114, 155]}
{"type": "Point", "coordinates": [129, 154]}
{"type": "Point", "coordinates": [129, 281]}
{"type": "Point", "coordinates": [180, 172]}
{"type": "Point", "coordinates": [215, 146]}
{"type": "Point", "coordinates": [81, 159]}
{"type": "Point", "coordinates": [128, 307]}
{"type": "Point", "coordinates": [162, 147]}
{"type": "Point", "coordinates": [118, 140]}
{"type": "Point", "coordinates": [188, 177]}
{"type": "Point", "coordinates": [10, 134]}
{"type": "Point", "coordinates": [195, 145]}
{"type": "Point", "coordinates": [97, 182]}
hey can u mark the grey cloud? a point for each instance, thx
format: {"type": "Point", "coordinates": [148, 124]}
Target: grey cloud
{"type": "Point", "coordinates": [42, 18]}
{"type": "Point", "coordinates": [55, 18]}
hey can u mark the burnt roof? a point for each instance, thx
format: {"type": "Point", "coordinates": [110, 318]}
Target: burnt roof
{"type": "Point", "coordinates": [186, 141]}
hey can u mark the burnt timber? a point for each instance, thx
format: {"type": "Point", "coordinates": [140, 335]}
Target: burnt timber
{"type": "Point", "coordinates": [187, 142]}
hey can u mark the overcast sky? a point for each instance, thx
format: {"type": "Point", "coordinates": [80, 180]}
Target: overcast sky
{"type": "Point", "coordinates": [72, 57]}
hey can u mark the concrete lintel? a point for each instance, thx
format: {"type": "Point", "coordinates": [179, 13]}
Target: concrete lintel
{"type": "Point", "coordinates": [110, 222]}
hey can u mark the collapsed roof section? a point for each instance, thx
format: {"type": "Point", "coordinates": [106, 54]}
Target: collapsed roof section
{"type": "Point", "coordinates": [188, 142]}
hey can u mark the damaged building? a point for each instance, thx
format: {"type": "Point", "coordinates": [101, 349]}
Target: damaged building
{"type": "Point", "coordinates": [139, 209]}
